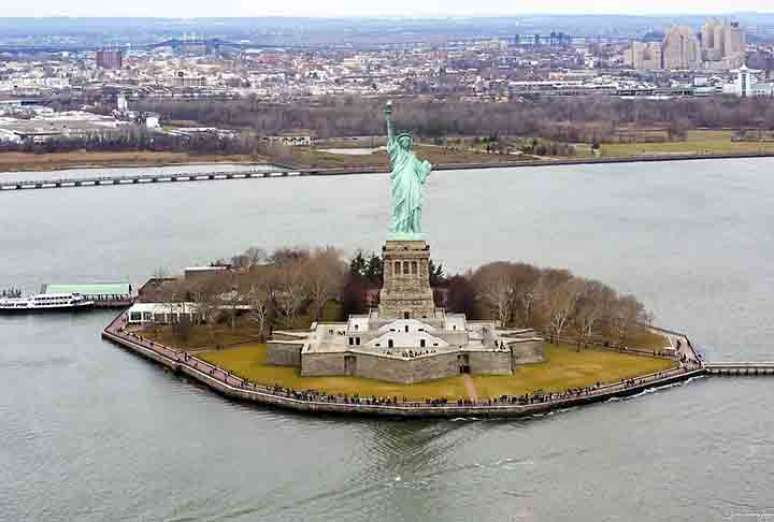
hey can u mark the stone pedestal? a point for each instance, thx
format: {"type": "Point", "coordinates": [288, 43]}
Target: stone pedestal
{"type": "Point", "coordinates": [406, 292]}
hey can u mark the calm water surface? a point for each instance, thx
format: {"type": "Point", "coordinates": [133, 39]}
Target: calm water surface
{"type": "Point", "coordinates": [90, 432]}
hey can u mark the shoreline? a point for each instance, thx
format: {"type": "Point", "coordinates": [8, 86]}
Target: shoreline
{"type": "Point", "coordinates": [15, 163]}
{"type": "Point", "coordinates": [236, 388]}
{"type": "Point", "coordinates": [333, 171]}
{"type": "Point", "coordinates": [187, 160]}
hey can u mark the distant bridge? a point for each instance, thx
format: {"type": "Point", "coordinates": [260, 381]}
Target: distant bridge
{"type": "Point", "coordinates": [102, 181]}
{"type": "Point", "coordinates": [211, 43]}
{"type": "Point", "coordinates": [175, 43]}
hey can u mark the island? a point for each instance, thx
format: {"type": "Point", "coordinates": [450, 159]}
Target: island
{"type": "Point", "coordinates": [391, 334]}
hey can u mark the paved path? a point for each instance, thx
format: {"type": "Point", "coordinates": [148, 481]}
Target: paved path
{"type": "Point", "coordinates": [230, 385]}
{"type": "Point", "coordinates": [470, 387]}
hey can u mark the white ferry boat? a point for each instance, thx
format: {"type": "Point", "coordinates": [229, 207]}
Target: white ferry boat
{"type": "Point", "coordinates": [45, 303]}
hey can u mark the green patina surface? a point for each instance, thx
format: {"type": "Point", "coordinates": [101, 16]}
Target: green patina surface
{"type": "Point", "coordinates": [408, 177]}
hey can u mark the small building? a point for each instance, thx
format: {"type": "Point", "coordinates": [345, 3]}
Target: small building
{"type": "Point", "coordinates": [114, 294]}
{"type": "Point", "coordinates": [293, 139]}
{"type": "Point", "coordinates": [192, 273]}
{"type": "Point", "coordinates": [163, 313]}
{"type": "Point", "coordinates": [746, 84]}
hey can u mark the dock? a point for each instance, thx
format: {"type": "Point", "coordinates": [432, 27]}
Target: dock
{"type": "Point", "coordinates": [739, 368]}
{"type": "Point", "coordinates": [116, 294]}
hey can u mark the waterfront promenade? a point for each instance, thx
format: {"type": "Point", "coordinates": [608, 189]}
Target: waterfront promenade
{"type": "Point", "coordinates": [311, 401]}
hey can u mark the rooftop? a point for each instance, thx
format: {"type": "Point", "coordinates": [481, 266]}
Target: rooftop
{"type": "Point", "coordinates": [115, 288]}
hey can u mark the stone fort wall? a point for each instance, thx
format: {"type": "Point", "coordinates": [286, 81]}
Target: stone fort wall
{"type": "Point", "coordinates": [491, 363]}
{"type": "Point", "coordinates": [283, 353]}
{"type": "Point", "coordinates": [406, 371]}
{"type": "Point", "coordinates": [527, 351]}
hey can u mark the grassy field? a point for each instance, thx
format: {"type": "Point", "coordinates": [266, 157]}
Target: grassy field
{"type": "Point", "coordinates": [20, 161]}
{"type": "Point", "coordinates": [699, 142]}
{"type": "Point", "coordinates": [201, 337]}
{"type": "Point", "coordinates": [564, 368]}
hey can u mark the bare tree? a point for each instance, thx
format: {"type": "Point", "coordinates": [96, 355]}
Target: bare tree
{"type": "Point", "coordinates": [560, 302]}
{"type": "Point", "coordinates": [494, 290]}
{"type": "Point", "coordinates": [260, 296]}
{"type": "Point", "coordinates": [291, 290]}
{"type": "Point", "coordinates": [232, 298]}
{"type": "Point", "coordinates": [324, 272]}
{"type": "Point", "coordinates": [248, 259]}
{"type": "Point", "coordinates": [523, 280]}
{"type": "Point", "coordinates": [594, 302]}
{"type": "Point", "coordinates": [206, 294]}
{"type": "Point", "coordinates": [628, 312]}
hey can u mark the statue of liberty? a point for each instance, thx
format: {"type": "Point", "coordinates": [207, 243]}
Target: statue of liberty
{"type": "Point", "coordinates": [407, 182]}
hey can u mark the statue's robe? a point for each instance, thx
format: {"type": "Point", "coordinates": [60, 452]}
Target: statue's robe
{"type": "Point", "coordinates": [407, 179]}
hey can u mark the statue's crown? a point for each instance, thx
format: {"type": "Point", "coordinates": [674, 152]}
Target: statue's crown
{"type": "Point", "coordinates": [404, 133]}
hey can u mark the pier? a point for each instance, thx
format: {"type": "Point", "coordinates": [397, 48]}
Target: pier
{"type": "Point", "coordinates": [739, 368]}
{"type": "Point", "coordinates": [107, 181]}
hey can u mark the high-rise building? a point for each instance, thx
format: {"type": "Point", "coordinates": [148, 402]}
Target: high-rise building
{"type": "Point", "coordinates": [722, 44]}
{"type": "Point", "coordinates": [644, 56]}
{"type": "Point", "coordinates": [734, 40]}
{"type": "Point", "coordinates": [681, 49]}
{"type": "Point", "coordinates": [110, 59]}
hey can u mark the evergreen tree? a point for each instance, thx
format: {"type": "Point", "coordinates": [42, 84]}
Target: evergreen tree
{"type": "Point", "coordinates": [375, 269]}
{"type": "Point", "coordinates": [437, 277]}
{"type": "Point", "coordinates": [358, 266]}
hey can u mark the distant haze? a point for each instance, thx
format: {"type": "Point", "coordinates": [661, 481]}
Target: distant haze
{"type": "Point", "coordinates": [329, 8]}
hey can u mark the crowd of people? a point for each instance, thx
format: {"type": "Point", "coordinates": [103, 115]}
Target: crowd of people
{"type": "Point", "coordinates": [310, 395]}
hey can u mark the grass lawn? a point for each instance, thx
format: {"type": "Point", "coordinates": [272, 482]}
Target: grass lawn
{"type": "Point", "coordinates": [200, 337]}
{"type": "Point", "coordinates": [697, 142]}
{"type": "Point", "coordinates": [565, 368]}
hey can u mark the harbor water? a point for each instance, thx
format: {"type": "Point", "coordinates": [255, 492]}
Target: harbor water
{"type": "Point", "coordinates": [91, 432]}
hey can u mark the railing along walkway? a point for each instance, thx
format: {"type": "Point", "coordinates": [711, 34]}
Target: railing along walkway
{"type": "Point", "coordinates": [236, 387]}
{"type": "Point", "coordinates": [739, 368]}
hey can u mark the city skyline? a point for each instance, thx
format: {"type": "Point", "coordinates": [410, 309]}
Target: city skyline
{"type": "Point", "coordinates": [395, 8]}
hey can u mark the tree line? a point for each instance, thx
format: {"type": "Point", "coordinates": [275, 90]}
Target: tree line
{"type": "Point", "coordinates": [553, 301]}
{"type": "Point", "coordinates": [566, 119]}
{"type": "Point", "coordinates": [267, 290]}
{"type": "Point", "coordinates": [290, 288]}
{"type": "Point", "coordinates": [141, 139]}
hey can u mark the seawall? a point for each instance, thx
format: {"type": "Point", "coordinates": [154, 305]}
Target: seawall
{"type": "Point", "coordinates": [233, 387]}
